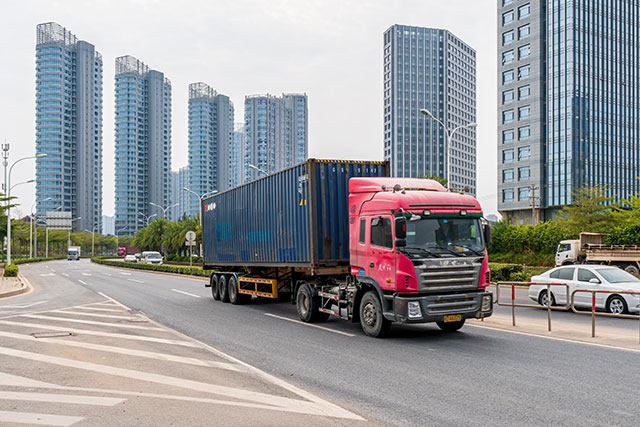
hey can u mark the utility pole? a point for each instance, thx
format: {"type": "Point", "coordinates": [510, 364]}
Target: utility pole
{"type": "Point", "coordinates": [533, 198]}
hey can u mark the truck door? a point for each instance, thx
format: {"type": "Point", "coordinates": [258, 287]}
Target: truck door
{"type": "Point", "coordinates": [381, 258]}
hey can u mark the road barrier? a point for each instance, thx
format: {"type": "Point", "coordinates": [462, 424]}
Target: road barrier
{"type": "Point", "coordinates": [593, 312]}
{"type": "Point", "coordinates": [526, 285]}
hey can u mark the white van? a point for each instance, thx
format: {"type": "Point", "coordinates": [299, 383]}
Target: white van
{"type": "Point", "coordinates": [151, 257]}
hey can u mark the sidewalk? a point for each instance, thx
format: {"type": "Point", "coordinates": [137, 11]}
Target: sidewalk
{"type": "Point", "coordinates": [11, 286]}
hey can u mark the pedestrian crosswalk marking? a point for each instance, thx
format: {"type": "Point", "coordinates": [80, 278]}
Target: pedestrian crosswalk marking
{"type": "Point", "coordinates": [109, 316]}
{"type": "Point", "coordinates": [60, 398]}
{"type": "Point", "coordinates": [40, 419]}
{"type": "Point", "coordinates": [91, 322]}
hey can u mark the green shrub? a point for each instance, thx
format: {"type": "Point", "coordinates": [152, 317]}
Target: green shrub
{"type": "Point", "coordinates": [520, 276]}
{"type": "Point", "coordinates": [193, 271]}
{"type": "Point", "coordinates": [502, 272]}
{"type": "Point", "coordinates": [10, 270]}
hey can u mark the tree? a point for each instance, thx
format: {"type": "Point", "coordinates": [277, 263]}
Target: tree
{"type": "Point", "coordinates": [441, 180]}
{"type": "Point", "coordinates": [590, 211]}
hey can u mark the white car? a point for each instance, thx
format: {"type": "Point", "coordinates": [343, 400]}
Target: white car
{"type": "Point", "coordinates": [151, 257]}
{"type": "Point", "coordinates": [599, 277]}
{"type": "Point", "coordinates": [130, 258]}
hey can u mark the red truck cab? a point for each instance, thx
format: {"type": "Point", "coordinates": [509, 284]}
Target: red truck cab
{"type": "Point", "coordinates": [422, 247]}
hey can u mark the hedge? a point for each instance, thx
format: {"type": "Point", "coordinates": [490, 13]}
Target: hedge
{"type": "Point", "coordinates": [192, 271]}
{"type": "Point", "coordinates": [501, 272]}
{"type": "Point", "coordinates": [11, 270]}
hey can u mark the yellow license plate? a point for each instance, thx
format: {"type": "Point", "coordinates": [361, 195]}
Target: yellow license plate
{"type": "Point", "coordinates": [453, 318]}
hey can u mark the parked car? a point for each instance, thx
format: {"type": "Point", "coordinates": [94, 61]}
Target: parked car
{"type": "Point", "coordinates": [599, 277]}
{"type": "Point", "coordinates": [130, 258]}
{"type": "Point", "coordinates": [151, 257]}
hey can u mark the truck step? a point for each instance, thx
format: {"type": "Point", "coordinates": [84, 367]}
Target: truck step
{"type": "Point", "coordinates": [326, 310]}
{"type": "Point", "coordinates": [326, 295]}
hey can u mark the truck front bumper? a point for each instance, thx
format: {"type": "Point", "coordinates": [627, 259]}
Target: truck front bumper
{"type": "Point", "coordinates": [434, 308]}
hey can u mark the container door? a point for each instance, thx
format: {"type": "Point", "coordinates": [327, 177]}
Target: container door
{"type": "Point", "coordinates": [381, 258]}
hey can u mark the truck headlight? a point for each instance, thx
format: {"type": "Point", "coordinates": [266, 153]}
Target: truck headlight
{"type": "Point", "coordinates": [414, 309]}
{"type": "Point", "coordinates": [486, 302]}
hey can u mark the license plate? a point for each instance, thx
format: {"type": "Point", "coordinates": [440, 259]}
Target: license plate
{"type": "Point", "coordinates": [453, 318]}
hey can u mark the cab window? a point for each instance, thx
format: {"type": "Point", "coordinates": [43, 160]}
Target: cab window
{"type": "Point", "coordinates": [381, 232]}
{"type": "Point", "coordinates": [363, 230]}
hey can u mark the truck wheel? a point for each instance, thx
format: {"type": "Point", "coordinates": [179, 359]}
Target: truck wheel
{"type": "Point", "coordinates": [308, 306]}
{"type": "Point", "coordinates": [224, 289]}
{"type": "Point", "coordinates": [372, 318]}
{"type": "Point", "coordinates": [235, 297]}
{"type": "Point", "coordinates": [450, 326]}
{"type": "Point", "coordinates": [616, 305]}
{"type": "Point", "coordinates": [632, 269]}
{"type": "Point", "coordinates": [215, 290]}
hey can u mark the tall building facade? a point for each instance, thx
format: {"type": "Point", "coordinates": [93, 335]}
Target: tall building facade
{"type": "Point", "coordinates": [427, 68]}
{"type": "Point", "coordinates": [568, 96]}
{"type": "Point", "coordinates": [210, 142]}
{"type": "Point", "coordinates": [179, 197]}
{"type": "Point", "coordinates": [68, 126]}
{"type": "Point", "coordinates": [143, 143]}
{"type": "Point", "coordinates": [237, 154]}
{"type": "Point", "coordinates": [276, 133]}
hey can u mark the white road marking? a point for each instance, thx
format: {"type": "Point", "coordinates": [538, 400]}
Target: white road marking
{"type": "Point", "coordinates": [106, 274]}
{"type": "Point", "coordinates": [65, 274]}
{"type": "Point", "coordinates": [126, 274]}
{"type": "Point", "coordinates": [60, 398]}
{"type": "Point", "coordinates": [128, 351]}
{"type": "Point", "coordinates": [309, 324]}
{"type": "Point", "coordinates": [186, 293]}
{"type": "Point", "coordinates": [37, 326]}
{"type": "Point", "coordinates": [47, 275]}
{"type": "Point", "coordinates": [82, 307]}
{"type": "Point", "coordinates": [135, 280]}
{"type": "Point", "coordinates": [279, 403]}
{"type": "Point", "coordinates": [53, 270]}
{"type": "Point", "coordinates": [83, 282]}
{"type": "Point", "coordinates": [86, 274]}
{"type": "Point", "coordinates": [41, 419]}
{"type": "Point", "coordinates": [110, 316]}
{"type": "Point", "coordinates": [91, 322]}
{"type": "Point", "coordinates": [23, 305]}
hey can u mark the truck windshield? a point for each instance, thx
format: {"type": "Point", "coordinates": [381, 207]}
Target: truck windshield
{"type": "Point", "coordinates": [452, 236]}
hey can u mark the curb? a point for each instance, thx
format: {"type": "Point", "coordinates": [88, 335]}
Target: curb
{"type": "Point", "coordinates": [23, 289]}
{"type": "Point", "coordinates": [163, 273]}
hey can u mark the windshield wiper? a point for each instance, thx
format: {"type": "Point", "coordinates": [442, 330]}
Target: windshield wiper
{"type": "Point", "coordinates": [423, 250]}
{"type": "Point", "coordinates": [448, 250]}
{"type": "Point", "coordinates": [469, 248]}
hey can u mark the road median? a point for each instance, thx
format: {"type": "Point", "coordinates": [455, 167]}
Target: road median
{"type": "Point", "coordinates": [163, 269]}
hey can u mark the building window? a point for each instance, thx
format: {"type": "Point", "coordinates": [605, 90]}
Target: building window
{"type": "Point", "coordinates": [523, 11]}
{"type": "Point", "coordinates": [524, 112]}
{"type": "Point", "coordinates": [524, 31]}
{"type": "Point", "coordinates": [507, 156]}
{"type": "Point", "coordinates": [508, 57]}
{"type": "Point", "coordinates": [507, 37]}
{"type": "Point", "coordinates": [507, 195]}
{"type": "Point", "coordinates": [507, 136]}
{"type": "Point", "coordinates": [524, 153]}
{"type": "Point", "coordinates": [507, 17]}
{"type": "Point", "coordinates": [506, 2]}
{"type": "Point", "coordinates": [507, 76]}
{"type": "Point", "coordinates": [507, 116]}
{"type": "Point", "coordinates": [524, 92]}
{"type": "Point", "coordinates": [523, 194]}
{"type": "Point", "coordinates": [524, 133]}
{"type": "Point", "coordinates": [524, 72]}
{"type": "Point", "coordinates": [507, 175]}
{"type": "Point", "coordinates": [507, 96]}
{"type": "Point", "coordinates": [524, 173]}
{"type": "Point", "coordinates": [524, 51]}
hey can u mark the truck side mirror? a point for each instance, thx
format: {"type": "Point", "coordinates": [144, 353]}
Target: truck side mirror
{"type": "Point", "coordinates": [401, 227]}
{"type": "Point", "coordinates": [486, 231]}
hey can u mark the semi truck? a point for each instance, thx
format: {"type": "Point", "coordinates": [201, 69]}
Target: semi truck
{"type": "Point", "coordinates": [342, 238]}
{"type": "Point", "coordinates": [590, 249]}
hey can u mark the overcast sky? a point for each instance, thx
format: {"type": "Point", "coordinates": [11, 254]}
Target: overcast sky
{"type": "Point", "coordinates": [329, 49]}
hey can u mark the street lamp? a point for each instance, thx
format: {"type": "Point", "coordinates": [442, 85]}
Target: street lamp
{"type": "Point", "coordinates": [93, 238]}
{"type": "Point", "coordinates": [31, 227]}
{"type": "Point", "coordinates": [201, 198]}
{"type": "Point", "coordinates": [69, 231]}
{"type": "Point", "coordinates": [258, 169]}
{"type": "Point", "coordinates": [449, 140]}
{"type": "Point", "coordinates": [20, 183]}
{"type": "Point", "coordinates": [46, 230]}
{"type": "Point", "coordinates": [147, 218]}
{"type": "Point", "coordinates": [117, 236]}
{"type": "Point", "coordinates": [164, 210]}
{"type": "Point", "coordinates": [7, 188]}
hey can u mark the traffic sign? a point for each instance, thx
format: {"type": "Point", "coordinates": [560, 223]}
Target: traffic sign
{"type": "Point", "coordinates": [190, 236]}
{"type": "Point", "coordinates": [190, 243]}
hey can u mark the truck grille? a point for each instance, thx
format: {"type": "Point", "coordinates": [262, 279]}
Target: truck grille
{"type": "Point", "coordinates": [449, 274]}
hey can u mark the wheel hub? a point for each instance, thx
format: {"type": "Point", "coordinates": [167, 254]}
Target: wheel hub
{"type": "Point", "coordinates": [616, 306]}
{"type": "Point", "coordinates": [369, 314]}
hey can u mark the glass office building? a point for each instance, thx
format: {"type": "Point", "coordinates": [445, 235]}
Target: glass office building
{"type": "Point", "coordinates": [142, 143]}
{"type": "Point", "coordinates": [179, 197]}
{"type": "Point", "coordinates": [427, 68]}
{"type": "Point", "coordinates": [68, 126]}
{"type": "Point", "coordinates": [568, 102]}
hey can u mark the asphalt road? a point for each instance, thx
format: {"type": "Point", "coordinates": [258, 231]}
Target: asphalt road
{"type": "Point", "coordinates": [419, 376]}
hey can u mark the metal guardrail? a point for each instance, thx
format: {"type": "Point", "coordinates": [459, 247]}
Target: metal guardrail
{"type": "Point", "coordinates": [593, 312]}
{"type": "Point", "coordinates": [526, 285]}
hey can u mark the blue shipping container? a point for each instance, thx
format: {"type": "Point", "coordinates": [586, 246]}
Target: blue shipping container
{"type": "Point", "coordinates": [294, 218]}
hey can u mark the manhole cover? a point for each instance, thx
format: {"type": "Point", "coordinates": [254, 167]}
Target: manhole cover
{"type": "Point", "coordinates": [52, 334]}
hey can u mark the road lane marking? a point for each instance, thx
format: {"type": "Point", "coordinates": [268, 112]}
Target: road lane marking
{"type": "Point", "coordinates": [86, 274]}
{"type": "Point", "coordinates": [135, 280]}
{"type": "Point", "coordinates": [106, 274]}
{"type": "Point", "coordinates": [41, 419]}
{"type": "Point", "coordinates": [60, 398]}
{"type": "Point", "coordinates": [65, 274]}
{"type": "Point", "coordinates": [82, 307]}
{"type": "Point", "coordinates": [186, 293]}
{"type": "Point", "coordinates": [126, 274]}
{"type": "Point", "coordinates": [23, 305]}
{"type": "Point", "coordinates": [280, 403]}
{"type": "Point", "coordinates": [92, 322]}
{"type": "Point", "coordinates": [100, 334]}
{"type": "Point", "coordinates": [84, 283]}
{"type": "Point", "coordinates": [309, 324]}
{"type": "Point", "coordinates": [129, 352]}
{"type": "Point", "coordinates": [53, 270]}
{"type": "Point", "coordinates": [110, 316]}
{"type": "Point", "coordinates": [47, 275]}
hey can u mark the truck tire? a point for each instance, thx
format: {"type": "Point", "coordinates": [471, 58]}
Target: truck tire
{"type": "Point", "coordinates": [450, 326]}
{"type": "Point", "coordinates": [215, 290]}
{"type": "Point", "coordinates": [224, 289]}
{"type": "Point", "coordinates": [632, 269]}
{"type": "Point", "coordinates": [308, 306]}
{"type": "Point", "coordinates": [235, 297]}
{"type": "Point", "coordinates": [372, 319]}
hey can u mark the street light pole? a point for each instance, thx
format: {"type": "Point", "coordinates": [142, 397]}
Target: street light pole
{"type": "Point", "coordinates": [31, 228]}
{"type": "Point", "coordinates": [147, 218]}
{"type": "Point", "coordinates": [449, 134]}
{"type": "Point", "coordinates": [163, 209]}
{"type": "Point", "coordinates": [46, 250]}
{"type": "Point", "coordinates": [258, 169]}
{"type": "Point", "coordinates": [93, 237]}
{"type": "Point", "coordinates": [201, 198]}
{"type": "Point", "coordinates": [69, 231]}
{"type": "Point", "coordinates": [117, 237]}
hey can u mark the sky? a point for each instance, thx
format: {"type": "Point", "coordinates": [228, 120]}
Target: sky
{"type": "Point", "coordinates": [329, 49]}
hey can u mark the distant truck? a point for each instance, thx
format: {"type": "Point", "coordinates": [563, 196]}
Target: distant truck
{"type": "Point", "coordinates": [591, 250]}
{"type": "Point", "coordinates": [126, 250]}
{"type": "Point", "coordinates": [341, 238]}
{"type": "Point", "coordinates": [73, 253]}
